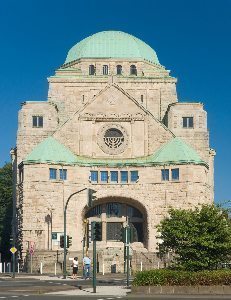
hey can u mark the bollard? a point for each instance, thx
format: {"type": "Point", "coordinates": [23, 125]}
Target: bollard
{"type": "Point", "coordinates": [41, 268]}
{"type": "Point", "coordinates": [103, 268]}
{"type": "Point", "coordinates": [158, 265]}
{"type": "Point", "coordinates": [141, 266]}
{"type": "Point", "coordinates": [18, 268]}
{"type": "Point", "coordinates": [55, 270]}
{"type": "Point", "coordinates": [4, 267]}
{"type": "Point", "coordinates": [0, 267]}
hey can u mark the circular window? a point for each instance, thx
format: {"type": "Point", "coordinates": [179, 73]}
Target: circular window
{"type": "Point", "coordinates": [112, 139]}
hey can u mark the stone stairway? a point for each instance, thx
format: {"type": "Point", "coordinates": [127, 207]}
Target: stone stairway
{"type": "Point", "coordinates": [109, 260]}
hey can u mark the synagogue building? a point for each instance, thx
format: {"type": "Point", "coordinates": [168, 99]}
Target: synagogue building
{"type": "Point", "coordinates": [112, 122]}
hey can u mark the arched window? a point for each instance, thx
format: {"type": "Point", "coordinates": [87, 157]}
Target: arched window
{"type": "Point", "coordinates": [119, 70]}
{"type": "Point", "coordinates": [105, 69]}
{"type": "Point", "coordinates": [133, 70]}
{"type": "Point", "coordinates": [91, 70]}
{"type": "Point", "coordinates": [116, 213]}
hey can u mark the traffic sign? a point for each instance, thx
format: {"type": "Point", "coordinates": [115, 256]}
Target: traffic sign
{"type": "Point", "coordinates": [13, 250]}
{"type": "Point", "coordinates": [31, 251]}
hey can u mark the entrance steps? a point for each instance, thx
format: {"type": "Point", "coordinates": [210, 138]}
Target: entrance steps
{"type": "Point", "coordinates": [109, 260]}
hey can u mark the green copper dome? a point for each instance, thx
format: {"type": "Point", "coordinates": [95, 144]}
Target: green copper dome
{"type": "Point", "coordinates": [112, 44]}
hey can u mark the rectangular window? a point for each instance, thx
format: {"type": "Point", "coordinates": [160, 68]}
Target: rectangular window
{"type": "Point", "coordinates": [105, 70]}
{"type": "Point", "coordinates": [134, 176]}
{"type": "Point", "coordinates": [21, 175]}
{"type": "Point", "coordinates": [37, 121]}
{"type": "Point", "coordinates": [187, 122]}
{"type": "Point", "coordinates": [124, 176]}
{"type": "Point", "coordinates": [94, 176]}
{"type": "Point", "coordinates": [53, 173]}
{"type": "Point", "coordinates": [165, 174]}
{"type": "Point", "coordinates": [63, 174]}
{"type": "Point", "coordinates": [175, 174]}
{"type": "Point", "coordinates": [114, 176]}
{"type": "Point", "coordinates": [104, 176]}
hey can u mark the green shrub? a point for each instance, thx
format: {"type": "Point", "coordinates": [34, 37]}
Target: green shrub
{"type": "Point", "coordinates": [174, 277]}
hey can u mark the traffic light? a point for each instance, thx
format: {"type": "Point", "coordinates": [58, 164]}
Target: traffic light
{"type": "Point", "coordinates": [69, 241]}
{"type": "Point", "coordinates": [127, 234]}
{"type": "Point", "coordinates": [88, 234]}
{"type": "Point", "coordinates": [61, 242]}
{"type": "Point", "coordinates": [96, 229]}
{"type": "Point", "coordinates": [91, 197]}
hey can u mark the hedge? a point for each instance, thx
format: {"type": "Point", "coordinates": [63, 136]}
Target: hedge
{"type": "Point", "coordinates": [173, 277]}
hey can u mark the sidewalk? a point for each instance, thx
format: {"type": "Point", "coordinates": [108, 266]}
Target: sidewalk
{"type": "Point", "coordinates": [100, 291]}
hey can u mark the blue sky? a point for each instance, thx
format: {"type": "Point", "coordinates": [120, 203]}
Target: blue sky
{"type": "Point", "coordinates": [191, 38]}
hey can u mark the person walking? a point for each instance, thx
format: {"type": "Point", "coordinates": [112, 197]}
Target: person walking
{"type": "Point", "coordinates": [75, 267]}
{"type": "Point", "coordinates": [87, 267]}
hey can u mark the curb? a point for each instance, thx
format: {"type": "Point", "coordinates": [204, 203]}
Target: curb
{"type": "Point", "coordinates": [181, 290]}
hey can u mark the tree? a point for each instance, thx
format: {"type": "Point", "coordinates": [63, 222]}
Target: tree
{"type": "Point", "coordinates": [199, 239]}
{"type": "Point", "coordinates": [6, 209]}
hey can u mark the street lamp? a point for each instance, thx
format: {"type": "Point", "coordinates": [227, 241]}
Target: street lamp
{"type": "Point", "coordinates": [65, 233]}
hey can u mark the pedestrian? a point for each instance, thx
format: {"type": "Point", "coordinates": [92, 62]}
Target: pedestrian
{"type": "Point", "coordinates": [75, 267]}
{"type": "Point", "coordinates": [87, 266]}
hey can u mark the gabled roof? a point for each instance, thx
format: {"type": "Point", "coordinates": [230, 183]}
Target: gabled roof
{"type": "Point", "coordinates": [108, 86]}
{"type": "Point", "coordinates": [175, 152]}
{"type": "Point", "coordinates": [51, 151]}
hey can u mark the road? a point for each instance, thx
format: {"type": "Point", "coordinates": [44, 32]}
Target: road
{"type": "Point", "coordinates": [36, 289]}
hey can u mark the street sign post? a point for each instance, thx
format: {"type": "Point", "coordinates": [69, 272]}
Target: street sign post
{"type": "Point", "coordinates": [13, 250]}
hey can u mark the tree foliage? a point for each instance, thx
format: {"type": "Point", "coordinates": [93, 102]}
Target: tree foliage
{"type": "Point", "coordinates": [199, 239]}
{"type": "Point", "coordinates": [6, 209]}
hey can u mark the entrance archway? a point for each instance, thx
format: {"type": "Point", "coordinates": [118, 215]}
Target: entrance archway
{"type": "Point", "coordinates": [115, 212]}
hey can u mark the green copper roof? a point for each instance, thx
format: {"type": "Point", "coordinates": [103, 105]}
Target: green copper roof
{"type": "Point", "coordinates": [175, 152]}
{"type": "Point", "coordinates": [51, 151]}
{"type": "Point", "coordinates": [112, 44]}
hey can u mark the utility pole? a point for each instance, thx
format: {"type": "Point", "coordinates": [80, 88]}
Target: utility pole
{"type": "Point", "coordinates": [127, 253]}
{"type": "Point", "coordinates": [94, 266]}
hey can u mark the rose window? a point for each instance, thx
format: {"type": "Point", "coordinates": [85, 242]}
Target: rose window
{"type": "Point", "coordinates": [113, 138]}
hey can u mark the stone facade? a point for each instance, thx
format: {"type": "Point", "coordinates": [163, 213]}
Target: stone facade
{"type": "Point", "coordinates": [143, 110]}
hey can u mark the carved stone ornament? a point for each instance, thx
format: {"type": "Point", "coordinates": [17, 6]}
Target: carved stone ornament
{"type": "Point", "coordinates": [112, 139]}
{"type": "Point", "coordinates": [110, 117]}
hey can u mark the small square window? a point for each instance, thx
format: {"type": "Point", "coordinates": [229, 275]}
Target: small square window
{"type": "Point", "coordinates": [37, 121]}
{"type": "Point", "coordinates": [53, 173]}
{"type": "Point", "coordinates": [104, 176]}
{"type": "Point", "coordinates": [63, 174]}
{"type": "Point", "coordinates": [114, 176]}
{"type": "Point", "coordinates": [124, 176]}
{"type": "Point", "coordinates": [175, 174]}
{"type": "Point", "coordinates": [94, 176]}
{"type": "Point", "coordinates": [134, 176]}
{"type": "Point", "coordinates": [165, 174]}
{"type": "Point", "coordinates": [187, 122]}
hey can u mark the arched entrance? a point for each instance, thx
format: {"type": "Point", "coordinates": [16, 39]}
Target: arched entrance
{"type": "Point", "coordinates": [114, 213]}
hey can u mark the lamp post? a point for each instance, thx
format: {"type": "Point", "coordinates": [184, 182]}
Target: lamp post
{"type": "Point", "coordinates": [65, 233]}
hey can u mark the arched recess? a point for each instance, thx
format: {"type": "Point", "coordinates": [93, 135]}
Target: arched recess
{"type": "Point", "coordinates": [113, 211]}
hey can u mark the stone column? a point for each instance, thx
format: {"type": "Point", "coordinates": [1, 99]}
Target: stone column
{"type": "Point", "coordinates": [104, 226]}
